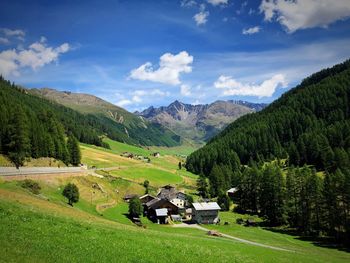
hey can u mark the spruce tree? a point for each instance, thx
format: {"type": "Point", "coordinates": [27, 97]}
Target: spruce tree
{"type": "Point", "coordinates": [73, 150]}
{"type": "Point", "coordinates": [19, 143]}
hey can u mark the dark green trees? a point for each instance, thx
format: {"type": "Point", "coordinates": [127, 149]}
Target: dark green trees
{"type": "Point", "coordinates": [73, 151]}
{"type": "Point", "coordinates": [202, 186]}
{"type": "Point", "coordinates": [71, 192]}
{"type": "Point", "coordinates": [272, 195]}
{"type": "Point", "coordinates": [146, 185]}
{"type": "Point", "coordinates": [18, 145]}
{"type": "Point", "coordinates": [135, 207]}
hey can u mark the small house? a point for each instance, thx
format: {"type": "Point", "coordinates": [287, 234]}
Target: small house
{"type": "Point", "coordinates": [169, 193]}
{"type": "Point", "coordinates": [162, 215]}
{"type": "Point", "coordinates": [231, 192]}
{"type": "Point", "coordinates": [205, 213]}
{"type": "Point", "coordinates": [151, 207]}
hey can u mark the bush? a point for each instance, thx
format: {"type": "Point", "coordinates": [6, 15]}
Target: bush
{"type": "Point", "coordinates": [71, 192]}
{"type": "Point", "coordinates": [32, 186]}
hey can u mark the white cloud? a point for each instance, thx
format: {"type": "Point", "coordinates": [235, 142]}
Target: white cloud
{"type": "Point", "coordinates": [201, 18]}
{"type": "Point", "coordinates": [35, 56]}
{"type": "Point", "coordinates": [302, 14]}
{"type": "Point", "coordinates": [188, 3]}
{"type": "Point", "coordinates": [232, 87]}
{"type": "Point", "coordinates": [139, 96]}
{"type": "Point", "coordinates": [170, 68]}
{"type": "Point", "coordinates": [123, 103]}
{"type": "Point", "coordinates": [218, 2]}
{"type": "Point", "coordinates": [185, 90]}
{"type": "Point", "coordinates": [17, 33]}
{"type": "Point", "coordinates": [250, 31]}
{"type": "Point", "coordinates": [4, 40]}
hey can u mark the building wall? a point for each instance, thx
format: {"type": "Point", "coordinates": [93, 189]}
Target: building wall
{"type": "Point", "coordinates": [178, 202]}
{"type": "Point", "coordinates": [205, 216]}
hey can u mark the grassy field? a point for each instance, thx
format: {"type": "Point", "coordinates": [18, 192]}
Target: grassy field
{"type": "Point", "coordinates": [37, 230]}
{"type": "Point", "coordinates": [156, 177]}
{"type": "Point", "coordinates": [160, 171]}
{"type": "Point", "coordinates": [43, 228]}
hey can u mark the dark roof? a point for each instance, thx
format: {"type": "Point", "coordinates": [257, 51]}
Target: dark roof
{"type": "Point", "coordinates": [157, 203]}
{"type": "Point", "coordinates": [130, 196]}
{"type": "Point", "coordinates": [167, 192]}
{"type": "Point", "coordinates": [152, 202]}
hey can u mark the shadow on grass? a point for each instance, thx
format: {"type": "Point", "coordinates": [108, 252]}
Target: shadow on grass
{"type": "Point", "coordinates": [325, 242]}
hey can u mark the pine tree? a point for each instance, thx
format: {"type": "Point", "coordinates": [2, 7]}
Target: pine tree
{"type": "Point", "coordinates": [19, 143]}
{"type": "Point", "coordinates": [74, 150]}
{"type": "Point", "coordinates": [202, 186]}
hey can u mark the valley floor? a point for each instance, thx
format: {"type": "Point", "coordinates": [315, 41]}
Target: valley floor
{"type": "Point", "coordinates": [43, 228]}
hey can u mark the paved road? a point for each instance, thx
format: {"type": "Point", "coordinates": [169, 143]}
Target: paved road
{"type": "Point", "coordinates": [232, 237]}
{"type": "Point", "coordinates": [11, 171]}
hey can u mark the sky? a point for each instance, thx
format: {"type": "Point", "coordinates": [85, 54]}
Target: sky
{"type": "Point", "coordinates": [141, 53]}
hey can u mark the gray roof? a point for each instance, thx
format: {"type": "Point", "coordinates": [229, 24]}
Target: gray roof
{"type": "Point", "coordinates": [162, 212]}
{"type": "Point", "coordinates": [206, 206]}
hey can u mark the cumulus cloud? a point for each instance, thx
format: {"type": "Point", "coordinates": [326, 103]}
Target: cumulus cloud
{"type": "Point", "coordinates": [232, 87]}
{"type": "Point", "coordinates": [185, 90]}
{"type": "Point", "coordinates": [35, 56]}
{"type": "Point", "coordinates": [218, 2]}
{"type": "Point", "coordinates": [250, 31]}
{"type": "Point", "coordinates": [302, 14]}
{"type": "Point", "coordinates": [138, 96]}
{"type": "Point", "coordinates": [170, 68]}
{"type": "Point", "coordinates": [201, 18]}
{"type": "Point", "coordinates": [4, 40]}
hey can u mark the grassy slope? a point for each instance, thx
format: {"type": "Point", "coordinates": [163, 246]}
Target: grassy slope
{"type": "Point", "coordinates": [34, 229]}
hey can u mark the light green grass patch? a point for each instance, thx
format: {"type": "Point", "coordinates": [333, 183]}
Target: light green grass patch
{"type": "Point", "coordinates": [156, 177]}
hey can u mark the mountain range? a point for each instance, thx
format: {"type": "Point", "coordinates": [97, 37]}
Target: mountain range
{"type": "Point", "coordinates": [199, 122]}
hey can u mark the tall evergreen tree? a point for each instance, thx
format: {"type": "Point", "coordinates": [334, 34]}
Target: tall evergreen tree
{"type": "Point", "coordinates": [19, 144]}
{"type": "Point", "coordinates": [74, 150]}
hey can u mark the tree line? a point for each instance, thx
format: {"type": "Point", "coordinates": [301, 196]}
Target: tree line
{"type": "Point", "coordinates": [308, 130]}
{"type": "Point", "coordinates": [30, 128]}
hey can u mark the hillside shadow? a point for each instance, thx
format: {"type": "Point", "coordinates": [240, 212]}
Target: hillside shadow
{"type": "Point", "coordinates": [324, 242]}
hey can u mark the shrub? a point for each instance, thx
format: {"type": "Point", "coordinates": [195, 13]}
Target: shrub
{"type": "Point", "coordinates": [32, 186]}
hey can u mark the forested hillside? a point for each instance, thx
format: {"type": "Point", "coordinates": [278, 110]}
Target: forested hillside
{"type": "Point", "coordinates": [36, 127]}
{"type": "Point", "coordinates": [118, 123]}
{"type": "Point", "coordinates": [273, 157]}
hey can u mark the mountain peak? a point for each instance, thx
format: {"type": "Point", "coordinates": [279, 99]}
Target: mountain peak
{"type": "Point", "coordinates": [198, 122]}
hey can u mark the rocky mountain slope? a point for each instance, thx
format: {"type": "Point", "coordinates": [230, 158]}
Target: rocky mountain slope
{"type": "Point", "coordinates": [199, 122]}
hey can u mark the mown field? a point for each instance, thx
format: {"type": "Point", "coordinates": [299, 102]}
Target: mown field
{"type": "Point", "coordinates": [43, 228]}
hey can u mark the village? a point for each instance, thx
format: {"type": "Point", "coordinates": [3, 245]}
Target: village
{"type": "Point", "coordinates": [173, 205]}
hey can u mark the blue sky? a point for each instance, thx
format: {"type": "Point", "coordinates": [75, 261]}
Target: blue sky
{"type": "Point", "coordinates": [141, 53]}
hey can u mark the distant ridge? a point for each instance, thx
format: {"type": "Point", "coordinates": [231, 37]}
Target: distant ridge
{"type": "Point", "coordinates": [199, 122]}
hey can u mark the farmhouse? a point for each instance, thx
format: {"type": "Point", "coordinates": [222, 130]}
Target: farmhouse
{"type": "Point", "coordinates": [151, 208]}
{"type": "Point", "coordinates": [205, 213]}
{"type": "Point", "coordinates": [169, 193]}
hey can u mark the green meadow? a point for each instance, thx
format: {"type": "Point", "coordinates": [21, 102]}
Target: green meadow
{"type": "Point", "coordinates": [43, 228]}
